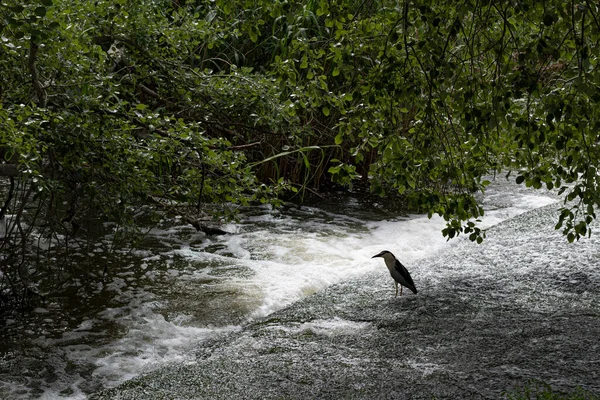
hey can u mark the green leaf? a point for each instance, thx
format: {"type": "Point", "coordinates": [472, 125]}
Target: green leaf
{"type": "Point", "coordinates": [40, 11]}
{"type": "Point", "coordinates": [334, 169]}
{"type": "Point", "coordinates": [339, 138]}
{"type": "Point", "coordinates": [253, 36]}
{"type": "Point", "coordinates": [304, 62]}
{"type": "Point", "coordinates": [306, 162]}
{"type": "Point", "coordinates": [323, 8]}
{"type": "Point", "coordinates": [558, 225]}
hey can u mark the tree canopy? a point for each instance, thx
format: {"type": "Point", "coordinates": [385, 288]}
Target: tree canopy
{"type": "Point", "coordinates": [110, 106]}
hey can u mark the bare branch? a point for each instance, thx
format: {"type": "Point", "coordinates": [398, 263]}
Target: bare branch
{"type": "Point", "coordinates": [35, 78]}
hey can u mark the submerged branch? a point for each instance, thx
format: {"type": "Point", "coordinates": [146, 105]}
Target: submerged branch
{"type": "Point", "coordinates": [202, 226]}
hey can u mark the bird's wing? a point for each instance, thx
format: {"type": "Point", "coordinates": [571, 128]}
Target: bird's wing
{"type": "Point", "coordinates": [401, 269]}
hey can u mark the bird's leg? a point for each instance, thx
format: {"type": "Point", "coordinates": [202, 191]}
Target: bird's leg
{"type": "Point", "coordinates": [400, 290]}
{"type": "Point", "coordinates": [396, 283]}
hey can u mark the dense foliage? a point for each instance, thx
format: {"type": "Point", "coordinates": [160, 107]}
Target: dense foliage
{"type": "Point", "coordinates": [111, 105]}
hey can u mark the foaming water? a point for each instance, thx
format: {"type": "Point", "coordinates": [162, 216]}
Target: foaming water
{"type": "Point", "coordinates": [329, 327]}
{"type": "Point", "coordinates": [188, 288]}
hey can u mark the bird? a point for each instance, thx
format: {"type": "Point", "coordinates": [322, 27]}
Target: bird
{"type": "Point", "coordinates": [397, 271]}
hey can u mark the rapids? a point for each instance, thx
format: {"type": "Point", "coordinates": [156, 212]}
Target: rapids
{"type": "Point", "coordinates": [183, 291]}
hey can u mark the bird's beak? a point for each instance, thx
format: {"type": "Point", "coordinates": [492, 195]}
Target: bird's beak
{"type": "Point", "coordinates": [376, 255]}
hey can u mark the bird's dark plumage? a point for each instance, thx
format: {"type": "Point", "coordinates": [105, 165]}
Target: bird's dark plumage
{"type": "Point", "coordinates": [397, 271]}
{"type": "Point", "coordinates": [401, 269]}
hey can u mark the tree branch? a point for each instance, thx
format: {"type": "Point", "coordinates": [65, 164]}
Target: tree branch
{"type": "Point", "coordinates": [40, 92]}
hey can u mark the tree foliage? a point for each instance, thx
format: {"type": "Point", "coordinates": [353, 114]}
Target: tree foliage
{"type": "Point", "coordinates": [108, 106]}
{"type": "Point", "coordinates": [445, 93]}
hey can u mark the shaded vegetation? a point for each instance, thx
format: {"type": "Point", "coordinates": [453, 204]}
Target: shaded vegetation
{"type": "Point", "coordinates": [536, 390]}
{"type": "Point", "coordinates": [120, 110]}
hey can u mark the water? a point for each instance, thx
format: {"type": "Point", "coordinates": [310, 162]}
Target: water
{"type": "Point", "coordinates": [183, 288]}
{"type": "Point", "coordinates": [523, 305]}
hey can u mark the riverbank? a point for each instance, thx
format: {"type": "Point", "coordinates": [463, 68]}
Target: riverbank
{"type": "Point", "coordinates": [487, 318]}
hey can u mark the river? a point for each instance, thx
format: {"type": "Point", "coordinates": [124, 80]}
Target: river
{"type": "Point", "coordinates": [183, 292]}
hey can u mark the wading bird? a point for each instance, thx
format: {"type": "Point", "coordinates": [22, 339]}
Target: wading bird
{"type": "Point", "coordinates": [397, 271]}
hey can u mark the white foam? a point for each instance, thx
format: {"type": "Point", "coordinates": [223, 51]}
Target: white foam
{"type": "Point", "coordinates": [329, 327]}
{"type": "Point", "coordinates": [272, 261]}
{"type": "Point", "coordinates": [150, 342]}
{"type": "Point", "coordinates": [335, 327]}
{"type": "Point", "coordinates": [515, 204]}
{"type": "Point", "coordinates": [292, 257]}
{"type": "Point", "coordinates": [301, 262]}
